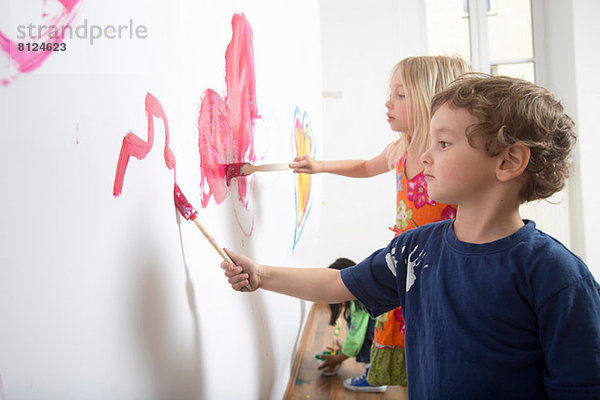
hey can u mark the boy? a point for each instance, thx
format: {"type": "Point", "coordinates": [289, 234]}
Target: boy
{"type": "Point", "coordinates": [493, 307]}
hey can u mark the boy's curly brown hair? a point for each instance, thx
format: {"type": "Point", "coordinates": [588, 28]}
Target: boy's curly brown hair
{"type": "Point", "coordinates": [510, 111]}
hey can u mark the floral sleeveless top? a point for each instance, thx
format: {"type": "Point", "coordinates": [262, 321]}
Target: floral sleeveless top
{"type": "Point", "coordinates": [414, 208]}
{"type": "Point", "coordinates": [413, 205]}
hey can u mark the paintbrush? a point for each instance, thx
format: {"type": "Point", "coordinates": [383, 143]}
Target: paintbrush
{"type": "Point", "coordinates": [242, 169]}
{"type": "Point", "coordinates": [188, 212]}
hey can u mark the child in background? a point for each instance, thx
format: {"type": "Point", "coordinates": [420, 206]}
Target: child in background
{"type": "Point", "coordinates": [414, 82]}
{"type": "Point", "coordinates": [494, 308]}
{"type": "Point", "coordinates": [358, 342]}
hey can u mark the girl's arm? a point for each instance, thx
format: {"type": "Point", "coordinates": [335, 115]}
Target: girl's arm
{"type": "Point", "coordinates": [321, 285]}
{"type": "Point", "coordinates": [350, 168]}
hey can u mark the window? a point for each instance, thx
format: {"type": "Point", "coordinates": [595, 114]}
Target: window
{"type": "Point", "coordinates": [491, 7]}
{"type": "Point", "coordinates": [496, 38]}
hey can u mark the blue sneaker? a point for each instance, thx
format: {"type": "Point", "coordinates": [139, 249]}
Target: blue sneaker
{"type": "Point", "coordinates": [360, 384]}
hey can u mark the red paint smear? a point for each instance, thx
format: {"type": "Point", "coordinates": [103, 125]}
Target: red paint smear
{"type": "Point", "coordinates": [134, 146]}
{"type": "Point", "coordinates": [213, 144]}
{"type": "Point", "coordinates": [232, 142]}
{"type": "Point", "coordinates": [241, 87]}
{"type": "Point", "coordinates": [185, 208]}
{"type": "Point", "coordinates": [241, 95]}
{"type": "Point", "coordinates": [225, 128]}
{"type": "Point", "coordinates": [30, 60]}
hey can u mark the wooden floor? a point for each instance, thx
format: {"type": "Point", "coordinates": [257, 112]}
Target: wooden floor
{"type": "Point", "coordinates": [307, 383]}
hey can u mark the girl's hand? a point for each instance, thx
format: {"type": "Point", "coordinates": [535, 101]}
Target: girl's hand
{"type": "Point", "coordinates": [331, 361]}
{"type": "Point", "coordinates": [245, 271]}
{"type": "Point", "coordinates": [338, 347]}
{"type": "Point", "coordinates": [305, 165]}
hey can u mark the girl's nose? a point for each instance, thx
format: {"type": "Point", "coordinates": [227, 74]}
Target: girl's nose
{"type": "Point", "coordinates": [425, 158]}
{"type": "Point", "coordinates": [388, 104]}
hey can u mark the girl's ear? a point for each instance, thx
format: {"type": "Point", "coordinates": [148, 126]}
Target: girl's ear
{"type": "Point", "coordinates": [514, 159]}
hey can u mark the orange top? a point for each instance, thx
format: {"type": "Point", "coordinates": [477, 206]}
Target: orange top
{"type": "Point", "coordinates": [414, 208]}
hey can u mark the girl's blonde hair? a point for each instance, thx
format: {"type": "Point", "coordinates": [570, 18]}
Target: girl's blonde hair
{"type": "Point", "coordinates": [422, 78]}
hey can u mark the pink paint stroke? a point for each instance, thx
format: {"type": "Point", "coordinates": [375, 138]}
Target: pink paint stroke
{"type": "Point", "coordinates": [226, 128]}
{"type": "Point", "coordinates": [69, 4]}
{"type": "Point", "coordinates": [27, 61]}
{"type": "Point", "coordinates": [134, 146]}
{"type": "Point", "coordinates": [241, 95]}
{"type": "Point", "coordinates": [213, 142]}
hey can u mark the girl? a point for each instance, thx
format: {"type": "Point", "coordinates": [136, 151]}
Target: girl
{"type": "Point", "coordinates": [358, 342]}
{"type": "Point", "coordinates": [414, 82]}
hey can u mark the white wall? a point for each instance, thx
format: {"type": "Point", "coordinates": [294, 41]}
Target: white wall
{"type": "Point", "coordinates": [571, 57]}
{"type": "Point", "coordinates": [587, 59]}
{"type": "Point", "coordinates": [115, 298]}
{"type": "Point", "coordinates": [362, 41]}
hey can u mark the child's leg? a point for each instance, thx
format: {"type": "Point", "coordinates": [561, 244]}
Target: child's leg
{"type": "Point", "coordinates": [388, 365]}
{"type": "Point", "coordinates": [360, 383]}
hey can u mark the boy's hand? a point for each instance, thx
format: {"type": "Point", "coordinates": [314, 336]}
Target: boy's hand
{"type": "Point", "coordinates": [305, 165]}
{"type": "Point", "coordinates": [245, 271]}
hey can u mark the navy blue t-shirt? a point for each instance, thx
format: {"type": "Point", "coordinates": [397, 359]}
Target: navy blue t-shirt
{"type": "Point", "coordinates": [517, 318]}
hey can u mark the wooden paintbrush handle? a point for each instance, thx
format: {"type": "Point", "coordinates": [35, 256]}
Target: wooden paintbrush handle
{"type": "Point", "coordinates": [216, 246]}
{"type": "Point", "coordinates": [272, 167]}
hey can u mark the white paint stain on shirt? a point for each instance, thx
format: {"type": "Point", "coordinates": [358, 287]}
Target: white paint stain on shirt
{"type": "Point", "coordinates": [411, 277]}
{"type": "Point", "coordinates": [391, 260]}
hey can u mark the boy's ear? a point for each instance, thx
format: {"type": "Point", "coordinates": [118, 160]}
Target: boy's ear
{"type": "Point", "coordinates": [514, 160]}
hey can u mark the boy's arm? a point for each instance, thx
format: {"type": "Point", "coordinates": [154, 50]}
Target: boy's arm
{"type": "Point", "coordinates": [570, 336]}
{"type": "Point", "coordinates": [322, 285]}
{"type": "Point", "coordinates": [350, 168]}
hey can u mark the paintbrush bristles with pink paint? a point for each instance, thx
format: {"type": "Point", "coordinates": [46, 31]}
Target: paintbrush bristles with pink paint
{"type": "Point", "coordinates": [242, 169]}
{"type": "Point", "coordinates": [189, 212]}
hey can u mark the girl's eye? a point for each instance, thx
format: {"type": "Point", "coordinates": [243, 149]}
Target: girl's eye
{"type": "Point", "coordinates": [401, 96]}
{"type": "Point", "coordinates": [443, 144]}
